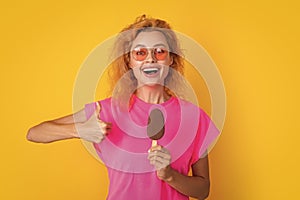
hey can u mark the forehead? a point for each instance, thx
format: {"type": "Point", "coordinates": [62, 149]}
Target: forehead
{"type": "Point", "coordinates": [150, 39]}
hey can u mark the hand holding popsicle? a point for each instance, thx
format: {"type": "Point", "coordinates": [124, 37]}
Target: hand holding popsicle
{"type": "Point", "coordinates": [159, 156]}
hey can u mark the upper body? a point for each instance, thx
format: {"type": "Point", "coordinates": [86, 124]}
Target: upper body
{"type": "Point", "coordinates": [124, 150]}
{"type": "Point", "coordinates": [147, 75]}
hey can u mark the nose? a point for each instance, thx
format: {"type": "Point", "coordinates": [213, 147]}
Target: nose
{"type": "Point", "coordinates": [150, 57]}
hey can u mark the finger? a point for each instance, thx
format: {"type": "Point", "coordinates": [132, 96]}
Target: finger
{"type": "Point", "coordinates": [159, 165]}
{"type": "Point", "coordinates": [92, 139]}
{"type": "Point", "coordinates": [155, 162]}
{"type": "Point", "coordinates": [153, 154]}
{"type": "Point", "coordinates": [104, 124]}
{"type": "Point", "coordinates": [158, 159]}
{"type": "Point", "coordinates": [97, 114]}
{"type": "Point", "coordinates": [98, 110]}
{"type": "Point", "coordinates": [162, 155]}
{"type": "Point", "coordinates": [98, 138]}
{"type": "Point", "coordinates": [105, 132]}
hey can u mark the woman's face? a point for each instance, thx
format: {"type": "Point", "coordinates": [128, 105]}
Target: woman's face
{"type": "Point", "coordinates": [150, 58]}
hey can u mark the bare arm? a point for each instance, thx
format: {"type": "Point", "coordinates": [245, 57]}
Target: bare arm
{"type": "Point", "coordinates": [194, 186]}
{"type": "Point", "coordinates": [57, 129]}
{"type": "Point", "coordinates": [71, 126]}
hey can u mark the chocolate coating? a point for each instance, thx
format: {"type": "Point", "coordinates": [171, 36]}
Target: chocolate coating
{"type": "Point", "coordinates": [156, 125]}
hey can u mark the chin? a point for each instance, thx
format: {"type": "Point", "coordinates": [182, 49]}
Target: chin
{"type": "Point", "coordinates": [152, 84]}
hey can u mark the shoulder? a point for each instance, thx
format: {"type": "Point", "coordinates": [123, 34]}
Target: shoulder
{"type": "Point", "coordinates": [105, 102]}
{"type": "Point", "coordinates": [188, 104]}
{"type": "Point", "coordinates": [193, 110]}
{"type": "Point", "coordinates": [90, 107]}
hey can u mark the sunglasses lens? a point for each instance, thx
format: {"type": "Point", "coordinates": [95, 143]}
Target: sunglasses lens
{"type": "Point", "coordinates": [160, 54]}
{"type": "Point", "coordinates": [140, 54]}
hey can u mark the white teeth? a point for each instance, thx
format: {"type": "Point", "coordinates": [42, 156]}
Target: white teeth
{"type": "Point", "coordinates": [150, 70]}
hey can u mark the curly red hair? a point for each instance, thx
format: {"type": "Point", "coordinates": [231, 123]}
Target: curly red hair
{"type": "Point", "coordinates": [121, 54]}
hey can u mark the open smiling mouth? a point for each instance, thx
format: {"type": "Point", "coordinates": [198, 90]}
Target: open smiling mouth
{"type": "Point", "coordinates": [151, 71]}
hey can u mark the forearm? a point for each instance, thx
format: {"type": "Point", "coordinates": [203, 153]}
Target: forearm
{"type": "Point", "coordinates": [50, 131]}
{"type": "Point", "coordinates": [193, 186]}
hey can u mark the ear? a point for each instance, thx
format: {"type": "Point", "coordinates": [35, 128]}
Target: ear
{"type": "Point", "coordinates": [127, 61]}
{"type": "Point", "coordinates": [129, 65]}
{"type": "Point", "coordinates": [171, 60]}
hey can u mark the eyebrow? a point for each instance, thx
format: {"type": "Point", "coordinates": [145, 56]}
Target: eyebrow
{"type": "Point", "coordinates": [156, 45]}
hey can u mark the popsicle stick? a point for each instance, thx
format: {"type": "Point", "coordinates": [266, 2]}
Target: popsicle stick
{"type": "Point", "coordinates": [154, 143]}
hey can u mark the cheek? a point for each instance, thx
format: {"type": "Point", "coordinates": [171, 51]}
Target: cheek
{"type": "Point", "coordinates": [165, 72]}
{"type": "Point", "coordinates": [134, 63]}
{"type": "Point", "coordinates": [168, 61]}
{"type": "Point", "coordinates": [136, 72]}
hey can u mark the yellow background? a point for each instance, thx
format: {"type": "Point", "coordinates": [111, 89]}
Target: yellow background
{"type": "Point", "coordinates": [255, 45]}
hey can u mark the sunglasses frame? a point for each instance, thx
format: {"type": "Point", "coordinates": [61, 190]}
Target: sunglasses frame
{"type": "Point", "coordinates": [153, 53]}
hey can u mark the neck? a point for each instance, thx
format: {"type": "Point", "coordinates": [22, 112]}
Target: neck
{"type": "Point", "coordinates": [152, 94]}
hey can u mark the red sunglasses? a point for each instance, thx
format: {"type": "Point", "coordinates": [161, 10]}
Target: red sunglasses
{"type": "Point", "coordinates": [141, 53]}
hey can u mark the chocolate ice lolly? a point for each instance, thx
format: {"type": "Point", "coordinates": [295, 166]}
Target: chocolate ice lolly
{"type": "Point", "coordinates": [156, 126]}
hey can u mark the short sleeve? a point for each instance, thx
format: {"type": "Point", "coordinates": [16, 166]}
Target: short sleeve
{"type": "Point", "coordinates": [206, 137]}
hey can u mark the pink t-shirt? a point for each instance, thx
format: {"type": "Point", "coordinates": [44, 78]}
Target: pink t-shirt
{"type": "Point", "coordinates": [188, 134]}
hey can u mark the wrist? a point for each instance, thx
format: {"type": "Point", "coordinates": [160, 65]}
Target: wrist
{"type": "Point", "coordinates": [170, 174]}
{"type": "Point", "coordinates": [74, 130]}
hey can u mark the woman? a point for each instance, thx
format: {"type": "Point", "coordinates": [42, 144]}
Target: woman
{"type": "Point", "coordinates": [147, 73]}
